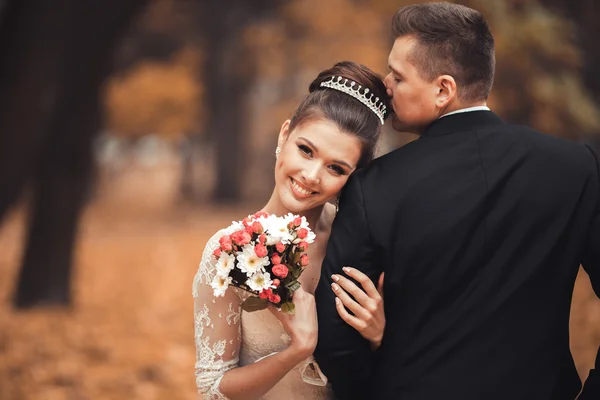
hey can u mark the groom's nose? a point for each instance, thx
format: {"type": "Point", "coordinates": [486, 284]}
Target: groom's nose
{"type": "Point", "coordinates": [386, 82]}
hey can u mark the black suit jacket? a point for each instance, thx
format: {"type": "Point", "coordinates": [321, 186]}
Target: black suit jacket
{"type": "Point", "coordinates": [480, 227]}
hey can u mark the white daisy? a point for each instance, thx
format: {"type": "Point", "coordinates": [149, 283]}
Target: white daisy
{"type": "Point", "coordinates": [225, 264]}
{"type": "Point", "coordinates": [277, 230]}
{"type": "Point", "coordinates": [259, 281]}
{"type": "Point", "coordinates": [220, 285]}
{"type": "Point", "coordinates": [249, 263]}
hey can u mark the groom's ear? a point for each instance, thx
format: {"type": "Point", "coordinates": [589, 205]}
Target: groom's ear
{"type": "Point", "coordinates": [446, 91]}
{"type": "Point", "coordinates": [284, 133]}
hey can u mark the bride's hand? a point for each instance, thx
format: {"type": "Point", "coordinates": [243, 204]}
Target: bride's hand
{"type": "Point", "coordinates": [367, 305]}
{"type": "Point", "coordinates": [302, 326]}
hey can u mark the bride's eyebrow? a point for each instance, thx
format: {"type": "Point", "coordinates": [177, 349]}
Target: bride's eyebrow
{"type": "Point", "coordinates": [311, 144]}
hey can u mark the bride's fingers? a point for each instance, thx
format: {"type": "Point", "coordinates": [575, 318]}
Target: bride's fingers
{"type": "Point", "coordinates": [351, 320]}
{"type": "Point", "coordinates": [350, 287]}
{"type": "Point", "coordinates": [380, 285]}
{"type": "Point", "coordinates": [364, 280]}
{"type": "Point", "coordinates": [352, 305]}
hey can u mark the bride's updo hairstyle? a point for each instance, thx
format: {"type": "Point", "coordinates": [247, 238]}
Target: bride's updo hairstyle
{"type": "Point", "coordinates": [329, 99]}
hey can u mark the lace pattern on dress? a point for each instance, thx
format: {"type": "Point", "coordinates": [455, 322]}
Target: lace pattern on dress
{"type": "Point", "coordinates": [217, 327]}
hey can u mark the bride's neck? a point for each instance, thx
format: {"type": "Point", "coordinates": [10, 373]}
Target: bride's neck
{"type": "Point", "coordinates": [274, 206]}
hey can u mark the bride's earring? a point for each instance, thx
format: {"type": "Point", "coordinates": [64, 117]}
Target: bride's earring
{"type": "Point", "coordinates": [277, 151]}
{"type": "Point", "coordinates": [337, 204]}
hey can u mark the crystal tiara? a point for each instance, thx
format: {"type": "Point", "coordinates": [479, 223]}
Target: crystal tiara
{"type": "Point", "coordinates": [341, 84]}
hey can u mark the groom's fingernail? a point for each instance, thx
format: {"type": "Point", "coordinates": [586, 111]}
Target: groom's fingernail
{"type": "Point", "coordinates": [335, 278]}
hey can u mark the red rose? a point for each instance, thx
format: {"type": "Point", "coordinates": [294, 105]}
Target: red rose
{"type": "Point", "coordinates": [217, 253]}
{"type": "Point", "coordinates": [297, 221]}
{"type": "Point", "coordinates": [276, 282]}
{"type": "Point", "coordinates": [257, 227]}
{"type": "Point", "coordinates": [274, 298]}
{"type": "Point", "coordinates": [249, 230]}
{"type": "Point", "coordinates": [304, 260]}
{"type": "Point", "coordinates": [280, 247]}
{"type": "Point", "coordinates": [280, 270]}
{"type": "Point", "coordinates": [303, 246]}
{"type": "Point", "coordinates": [260, 250]}
{"type": "Point", "coordinates": [302, 233]}
{"type": "Point", "coordinates": [265, 294]}
{"type": "Point", "coordinates": [276, 259]}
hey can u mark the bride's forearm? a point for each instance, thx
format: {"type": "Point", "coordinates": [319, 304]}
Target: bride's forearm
{"type": "Point", "coordinates": [254, 380]}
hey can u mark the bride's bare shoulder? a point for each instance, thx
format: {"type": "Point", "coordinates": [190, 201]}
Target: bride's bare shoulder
{"type": "Point", "coordinates": [327, 217]}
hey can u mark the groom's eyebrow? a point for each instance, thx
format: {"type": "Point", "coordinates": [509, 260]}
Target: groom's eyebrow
{"type": "Point", "coordinates": [311, 144]}
{"type": "Point", "coordinates": [395, 71]}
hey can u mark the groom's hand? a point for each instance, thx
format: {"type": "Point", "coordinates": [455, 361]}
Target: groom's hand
{"type": "Point", "coordinates": [366, 304]}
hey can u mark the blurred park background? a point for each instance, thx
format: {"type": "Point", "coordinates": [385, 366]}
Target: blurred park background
{"type": "Point", "coordinates": [131, 130]}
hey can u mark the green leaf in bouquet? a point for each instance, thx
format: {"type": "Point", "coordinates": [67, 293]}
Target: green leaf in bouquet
{"type": "Point", "coordinates": [252, 304]}
{"type": "Point", "coordinates": [293, 286]}
{"type": "Point", "coordinates": [288, 307]}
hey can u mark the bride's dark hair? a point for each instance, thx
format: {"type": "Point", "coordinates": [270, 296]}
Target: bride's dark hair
{"type": "Point", "coordinates": [348, 113]}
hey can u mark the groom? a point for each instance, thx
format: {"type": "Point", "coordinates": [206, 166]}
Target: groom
{"type": "Point", "coordinates": [480, 227]}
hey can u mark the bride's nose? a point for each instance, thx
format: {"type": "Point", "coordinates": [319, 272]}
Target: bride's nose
{"type": "Point", "coordinates": [310, 174]}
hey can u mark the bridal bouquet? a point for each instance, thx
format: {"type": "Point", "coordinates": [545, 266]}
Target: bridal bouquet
{"type": "Point", "coordinates": [264, 256]}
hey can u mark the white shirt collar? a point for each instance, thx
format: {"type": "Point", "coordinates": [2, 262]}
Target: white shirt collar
{"type": "Point", "coordinates": [468, 109]}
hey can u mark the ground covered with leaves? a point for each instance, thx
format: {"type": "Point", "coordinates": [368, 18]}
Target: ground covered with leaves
{"type": "Point", "coordinates": [129, 333]}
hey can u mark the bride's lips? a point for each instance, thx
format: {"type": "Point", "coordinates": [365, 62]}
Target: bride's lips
{"type": "Point", "coordinates": [299, 190]}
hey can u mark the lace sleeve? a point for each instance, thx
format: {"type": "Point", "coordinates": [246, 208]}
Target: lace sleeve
{"type": "Point", "coordinates": [217, 327]}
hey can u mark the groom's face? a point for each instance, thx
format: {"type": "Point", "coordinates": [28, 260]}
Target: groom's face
{"type": "Point", "coordinates": [412, 97]}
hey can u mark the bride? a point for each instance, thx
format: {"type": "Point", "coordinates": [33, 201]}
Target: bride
{"type": "Point", "coordinates": [268, 354]}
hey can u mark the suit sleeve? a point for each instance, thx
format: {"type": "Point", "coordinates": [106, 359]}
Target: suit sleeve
{"type": "Point", "coordinates": [591, 259]}
{"type": "Point", "coordinates": [342, 353]}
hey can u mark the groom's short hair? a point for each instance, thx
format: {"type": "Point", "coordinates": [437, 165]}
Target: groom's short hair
{"type": "Point", "coordinates": [451, 39]}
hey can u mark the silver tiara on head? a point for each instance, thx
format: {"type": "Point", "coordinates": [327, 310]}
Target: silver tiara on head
{"type": "Point", "coordinates": [354, 90]}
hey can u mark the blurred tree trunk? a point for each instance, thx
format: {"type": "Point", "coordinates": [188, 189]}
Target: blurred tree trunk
{"type": "Point", "coordinates": [228, 73]}
{"type": "Point", "coordinates": [55, 56]}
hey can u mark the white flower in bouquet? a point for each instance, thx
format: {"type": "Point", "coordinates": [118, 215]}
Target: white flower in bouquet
{"type": "Point", "coordinates": [260, 281]}
{"type": "Point", "coordinates": [225, 264]}
{"type": "Point", "coordinates": [249, 263]}
{"type": "Point", "coordinates": [220, 285]}
{"type": "Point", "coordinates": [277, 230]}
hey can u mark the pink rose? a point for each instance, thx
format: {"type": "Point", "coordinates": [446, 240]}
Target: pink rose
{"type": "Point", "coordinates": [265, 294]}
{"type": "Point", "coordinates": [257, 227]}
{"type": "Point", "coordinates": [302, 233]}
{"type": "Point", "coordinates": [260, 250]}
{"type": "Point", "coordinates": [276, 282]}
{"type": "Point", "coordinates": [276, 259]}
{"type": "Point", "coordinates": [297, 221]}
{"type": "Point", "coordinates": [303, 246]}
{"type": "Point", "coordinates": [217, 253]}
{"type": "Point", "coordinates": [304, 260]}
{"type": "Point", "coordinates": [241, 238]}
{"type": "Point", "coordinates": [246, 221]}
{"type": "Point", "coordinates": [262, 238]}
{"type": "Point", "coordinates": [280, 270]}
{"type": "Point", "coordinates": [260, 214]}
{"type": "Point", "coordinates": [274, 298]}
{"type": "Point", "coordinates": [280, 247]}
{"type": "Point", "coordinates": [225, 243]}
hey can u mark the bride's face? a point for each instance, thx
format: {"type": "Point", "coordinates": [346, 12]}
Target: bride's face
{"type": "Point", "coordinates": [314, 164]}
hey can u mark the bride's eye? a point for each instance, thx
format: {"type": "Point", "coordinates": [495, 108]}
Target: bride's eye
{"type": "Point", "coordinates": [337, 170]}
{"type": "Point", "coordinates": [305, 149]}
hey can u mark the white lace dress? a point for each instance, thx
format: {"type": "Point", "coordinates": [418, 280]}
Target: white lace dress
{"type": "Point", "coordinates": [227, 337]}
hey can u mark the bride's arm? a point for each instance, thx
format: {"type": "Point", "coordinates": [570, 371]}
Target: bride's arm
{"type": "Point", "coordinates": [217, 322]}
